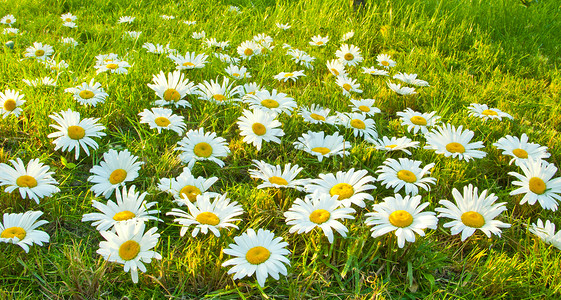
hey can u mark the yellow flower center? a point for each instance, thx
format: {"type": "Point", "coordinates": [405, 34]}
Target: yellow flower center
{"type": "Point", "coordinates": [537, 185]}
{"type": "Point", "coordinates": [335, 72]}
{"type": "Point", "coordinates": [257, 255]}
{"type": "Point", "coordinates": [258, 128]}
{"type": "Point", "coordinates": [385, 63]}
{"type": "Point", "coordinates": [26, 181]}
{"type": "Point", "coordinates": [124, 215]}
{"type": "Point", "coordinates": [455, 148]}
{"type": "Point", "coordinates": [208, 218]}
{"type": "Point", "coordinates": [219, 97]}
{"type": "Point", "coordinates": [85, 94]}
{"type": "Point", "coordinates": [203, 149]}
{"type": "Point", "coordinates": [191, 192]}
{"type": "Point", "coordinates": [364, 108]}
{"type": "Point", "coordinates": [188, 64]}
{"type": "Point", "coordinates": [68, 20]}
{"type": "Point", "coordinates": [391, 146]}
{"type": "Point", "coordinates": [76, 132]}
{"type": "Point", "coordinates": [162, 121]}
{"type": "Point", "coordinates": [343, 190]}
{"type": "Point", "coordinates": [112, 66]}
{"type": "Point", "coordinates": [248, 52]}
{"type": "Point", "coordinates": [10, 104]}
{"type": "Point", "coordinates": [359, 124]}
{"type": "Point", "coordinates": [319, 43]}
{"type": "Point", "coordinates": [236, 74]}
{"type": "Point", "coordinates": [288, 75]}
{"type": "Point", "coordinates": [317, 117]}
{"type": "Point", "coordinates": [401, 218]}
{"type": "Point", "coordinates": [8, 21]}
{"type": "Point", "coordinates": [322, 150]}
{"type": "Point", "coordinates": [473, 219]}
{"type": "Point", "coordinates": [347, 87]}
{"type": "Point", "coordinates": [407, 176]}
{"type": "Point", "coordinates": [270, 103]}
{"type": "Point", "coordinates": [489, 112]}
{"type": "Point", "coordinates": [171, 95]}
{"type": "Point", "coordinates": [319, 216]}
{"type": "Point", "coordinates": [117, 176]}
{"type": "Point", "coordinates": [520, 153]}
{"type": "Point", "coordinates": [278, 180]}
{"type": "Point", "coordinates": [349, 56]}
{"type": "Point", "coordinates": [129, 250]}
{"type": "Point", "coordinates": [418, 120]}
{"type": "Point", "coordinates": [39, 52]}
{"type": "Point", "coordinates": [13, 232]}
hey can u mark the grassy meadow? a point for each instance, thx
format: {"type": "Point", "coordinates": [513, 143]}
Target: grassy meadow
{"type": "Point", "coordinates": [500, 53]}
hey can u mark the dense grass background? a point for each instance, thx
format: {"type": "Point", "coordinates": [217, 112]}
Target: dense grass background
{"type": "Point", "coordinates": [500, 53]}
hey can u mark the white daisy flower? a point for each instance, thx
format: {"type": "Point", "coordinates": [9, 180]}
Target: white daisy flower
{"type": "Point", "coordinates": [472, 212]}
{"type": "Point", "coordinates": [272, 102]}
{"type": "Point", "coordinates": [234, 8]}
{"type": "Point", "coordinates": [227, 58]}
{"type": "Point", "coordinates": [10, 103]}
{"type": "Point", "coordinates": [454, 142]}
{"type": "Point", "coordinates": [321, 145]}
{"type": "Point", "coordinates": [74, 133]}
{"type": "Point", "coordinates": [69, 41]}
{"type": "Point", "coordinates": [318, 210]}
{"type": "Point", "coordinates": [258, 126]}
{"type": "Point", "coordinates": [69, 24]}
{"type": "Point", "coordinates": [262, 38]}
{"type": "Point", "coordinates": [220, 94]}
{"type": "Point", "coordinates": [173, 89]}
{"type": "Point", "coordinates": [546, 233]}
{"type": "Point", "coordinates": [190, 61]}
{"type": "Point", "coordinates": [132, 34]}
{"type": "Point", "coordinates": [284, 76]}
{"type": "Point", "coordinates": [351, 187]}
{"type": "Point", "coordinates": [248, 49]}
{"type": "Point", "coordinates": [114, 171]}
{"type": "Point", "coordinates": [283, 26]}
{"type": "Point", "coordinates": [162, 118]}
{"type": "Point", "coordinates": [364, 106]}
{"type": "Point", "coordinates": [520, 150]}
{"type": "Point", "coordinates": [537, 184]}
{"type": "Point", "coordinates": [113, 66]}
{"type": "Point", "coordinates": [126, 19]}
{"type": "Point", "coordinates": [301, 57]}
{"type": "Point", "coordinates": [68, 17]}
{"type": "Point", "coordinates": [319, 41]}
{"type": "Point", "coordinates": [10, 31]}
{"type": "Point", "coordinates": [261, 253]}
{"type": "Point", "coordinates": [360, 125]}
{"type": "Point", "coordinates": [348, 85]}
{"type": "Point", "coordinates": [130, 207]}
{"type": "Point", "coordinates": [55, 66]}
{"type": "Point", "coordinates": [394, 144]}
{"type": "Point", "coordinates": [417, 121]}
{"type": "Point", "coordinates": [212, 43]}
{"type": "Point", "coordinates": [275, 177]}
{"type": "Point", "coordinates": [21, 229]}
{"type": "Point", "coordinates": [39, 51]}
{"type": "Point", "coordinates": [38, 82]}
{"type": "Point", "coordinates": [207, 215]}
{"type": "Point", "coordinates": [8, 20]}
{"type": "Point", "coordinates": [88, 94]}
{"type": "Point", "coordinates": [130, 246]}
{"type": "Point", "coordinates": [158, 49]}
{"type": "Point", "coordinates": [349, 55]}
{"type": "Point", "coordinates": [166, 17]}
{"type": "Point", "coordinates": [410, 79]}
{"type": "Point", "coordinates": [404, 215]}
{"type": "Point", "coordinates": [186, 187]}
{"type": "Point", "coordinates": [347, 36]}
{"type": "Point", "coordinates": [375, 72]}
{"type": "Point", "coordinates": [405, 173]}
{"type": "Point", "coordinates": [385, 61]}
{"type": "Point", "coordinates": [237, 72]}
{"type": "Point", "coordinates": [336, 67]}
{"type": "Point", "coordinates": [316, 114]}
{"type": "Point", "coordinates": [484, 112]}
{"type": "Point", "coordinates": [33, 181]}
{"type": "Point", "coordinates": [249, 89]}
{"type": "Point", "coordinates": [198, 35]}
{"type": "Point", "coordinates": [198, 145]}
{"type": "Point", "coordinates": [403, 91]}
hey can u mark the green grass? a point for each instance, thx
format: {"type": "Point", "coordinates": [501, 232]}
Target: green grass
{"type": "Point", "coordinates": [499, 52]}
